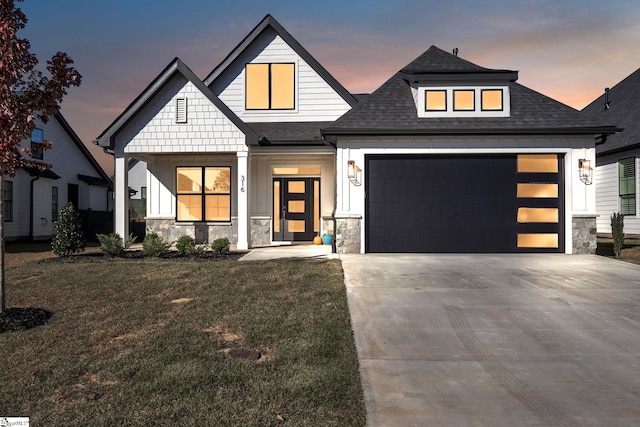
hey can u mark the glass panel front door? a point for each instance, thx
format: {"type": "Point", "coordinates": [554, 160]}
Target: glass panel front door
{"type": "Point", "coordinates": [295, 205]}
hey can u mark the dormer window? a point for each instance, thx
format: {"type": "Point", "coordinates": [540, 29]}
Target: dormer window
{"type": "Point", "coordinates": [491, 99]}
{"type": "Point", "coordinates": [270, 86]}
{"type": "Point", "coordinates": [464, 100]}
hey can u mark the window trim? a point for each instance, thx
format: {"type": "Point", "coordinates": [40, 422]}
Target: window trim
{"type": "Point", "coordinates": [270, 85]}
{"type": "Point", "coordinates": [473, 98]}
{"type": "Point", "coordinates": [482, 91]}
{"type": "Point", "coordinates": [7, 203]}
{"type": "Point", "coordinates": [35, 155]}
{"type": "Point", "coordinates": [622, 164]}
{"type": "Point", "coordinates": [203, 194]}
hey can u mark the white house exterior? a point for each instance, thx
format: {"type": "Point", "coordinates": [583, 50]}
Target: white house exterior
{"type": "Point", "coordinates": [32, 198]}
{"type": "Point", "coordinates": [271, 149]}
{"type": "Point", "coordinates": [617, 159]}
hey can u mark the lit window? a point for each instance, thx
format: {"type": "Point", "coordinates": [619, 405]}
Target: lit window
{"type": "Point", "coordinates": [37, 138]}
{"type": "Point", "coordinates": [464, 100]}
{"type": "Point", "coordinates": [204, 194]}
{"type": "Point", "coordinates": [435, 100]}
{"type": "Point", "coordinates": [491, 99]}
{"type": "Point", "coordinates": [627, 185]}
{"type": "Point", "coordinates": [270, 86]}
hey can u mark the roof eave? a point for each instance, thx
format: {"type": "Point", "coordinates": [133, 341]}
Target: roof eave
{"type": "Point", "coordinates": [491, 75]}
{"type": "Point", "coordinates": [479, 131]}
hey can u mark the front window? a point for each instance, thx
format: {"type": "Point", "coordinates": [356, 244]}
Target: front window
{"type": "Point", "coordinates": [627, 185]}
{"type": "Point", "coordinates": [464, 100]}
{"type": "Point", "coordinates": [37, 138]}
{"type": "Point", "coordinates": [204, 194]}
{"type": "Point", "coordinates": [270, 86]}
{"type": "Point", "coordinates": [8, 201]}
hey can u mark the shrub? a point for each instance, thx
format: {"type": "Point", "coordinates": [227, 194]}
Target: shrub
{"type": "Point", "coordinates": [199, 251]}
{"type": "Point", "coordinates": [69, 238]}
{"type": "Point", "coordinates": [153, 245]}
{"type": "Point", "coordinates": [617, 230]}
{"type": "Point", "coordinates": [113, 245]}
{"type": "Point", "coordinates": [220, 246]}
{"type": "Point", "coordinates": [185, 245]}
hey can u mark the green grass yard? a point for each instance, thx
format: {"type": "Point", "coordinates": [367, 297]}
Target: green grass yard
{"type": "Point", "coordinates": [144, 342]}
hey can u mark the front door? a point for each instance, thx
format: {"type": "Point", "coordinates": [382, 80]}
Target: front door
{"type": "Point", "coordinates": [296, 208]}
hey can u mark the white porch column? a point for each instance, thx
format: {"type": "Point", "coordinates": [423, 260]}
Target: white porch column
{"type": "Point", "coordinates": [243, 200]}
{"type": "Point", "coordinates": [121, 191]}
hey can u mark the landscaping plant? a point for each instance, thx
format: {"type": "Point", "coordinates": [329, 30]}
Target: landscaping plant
{"type": "Point", "coordinates": [69, 238]}
{"type": "Point", "coordinates": [154, 246]}
{"type": "Point", "coordinates": [113, 245]}
{"type": "Point", "coordinates": [185, 245]}
{"type": "Point", "coordinates": [617, 231]}
{"type": "Point", "coordinates": [221, 246]}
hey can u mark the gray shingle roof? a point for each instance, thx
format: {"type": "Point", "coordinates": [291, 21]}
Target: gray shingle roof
{"type": "Point", "coordinates": [391, 108]}
{"type": "Point", "coordinates": [624, 111]}
{"type": "Point", "coordinates": [305, 133]}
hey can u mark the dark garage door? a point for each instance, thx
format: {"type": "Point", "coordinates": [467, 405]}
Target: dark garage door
{"type": "Point", "coordinates": [470, 203]}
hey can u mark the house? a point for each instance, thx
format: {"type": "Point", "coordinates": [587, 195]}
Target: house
{"type": "Point", "coordinates": [271, 149]}
{"type": "Point", "coordinates": [617, 160]}
{"type": "Point", "coordinates": [33, 198]}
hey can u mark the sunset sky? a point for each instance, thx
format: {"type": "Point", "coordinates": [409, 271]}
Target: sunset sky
{"type": "Point", "coordinates": [568, 50]}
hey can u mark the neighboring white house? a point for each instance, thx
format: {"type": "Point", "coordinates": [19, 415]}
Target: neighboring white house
{"type": "Point", "coordinates": [33, 198]}
{"type": "Point", "coordinates": [446, 156]}
{"type": "Point", "coordinates": [617, 159]}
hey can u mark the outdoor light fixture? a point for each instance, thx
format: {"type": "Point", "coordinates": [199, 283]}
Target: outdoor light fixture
{"type": "Point", "coordinates": [352, 171]}
{"type": "Point", "coordinates": [584, 170]}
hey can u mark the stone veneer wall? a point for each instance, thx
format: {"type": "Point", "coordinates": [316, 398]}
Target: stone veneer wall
{"type": "Point", "coordinates": [170, 230]}
{"type": "Point", "coordinates": [260, 231]}
{"type": "Point", "coordinates": [347, 234]}
{"type": "Point", "coordinates": [584, 235]}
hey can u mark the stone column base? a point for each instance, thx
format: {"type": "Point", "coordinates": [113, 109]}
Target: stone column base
{"type": "Point", "coordinates": [347, 234]}
{"type": "Point", "coordinates": [584, 235]}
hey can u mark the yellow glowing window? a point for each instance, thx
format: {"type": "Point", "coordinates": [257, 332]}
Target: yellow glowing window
{"type": "Point", "coordinates": [538, 191]}
{"type": "Point", "coordinates": [538, 240]}
{"type": "Point", "coordinates": [464, 100]}
{"type": "Point", "coordinates": [528, 215]}
{"type": "Point", "coordinates": [435, 100]}
{"type": "Point", "coordinates": [491, 99]}
{"type": "Point", "coordinates": [270, 86]}
{"type": "Point", "coordinates": [203, 194]}
{"type": "Point", "coordinates": [538, 163]}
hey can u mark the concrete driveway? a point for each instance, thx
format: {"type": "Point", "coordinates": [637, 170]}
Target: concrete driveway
{"type": "Point", "coordinates": [496, 340]}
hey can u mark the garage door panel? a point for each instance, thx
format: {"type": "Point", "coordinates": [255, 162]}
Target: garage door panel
{"type": "Point", "coordinates": [450, 204]}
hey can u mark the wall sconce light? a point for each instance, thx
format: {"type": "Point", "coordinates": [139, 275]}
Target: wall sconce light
{"type": "Point", "coordinates": [584, 170]}
{"type": "Point", "coordinates": [353, 172]}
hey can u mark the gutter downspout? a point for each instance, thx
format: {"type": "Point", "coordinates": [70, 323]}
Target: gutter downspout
{"type": "Point", "coordinates": [31, 206]}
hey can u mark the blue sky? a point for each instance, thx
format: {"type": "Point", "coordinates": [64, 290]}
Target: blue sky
{"type": "Point", "coordinates": [568, 50]}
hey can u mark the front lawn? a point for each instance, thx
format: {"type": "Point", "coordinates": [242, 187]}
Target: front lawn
{"type": "Point", "coordinates": [146, 342]}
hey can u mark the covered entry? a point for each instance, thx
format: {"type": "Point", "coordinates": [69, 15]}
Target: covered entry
{"type": "Point", "coordinates": [464, 203]}
{"type": "Point", "coordinates": [296, 208]}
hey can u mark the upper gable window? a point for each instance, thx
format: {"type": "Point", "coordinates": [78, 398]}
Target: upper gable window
{"type": "Point", "coordinates": [270, 86]}
{"type": "Point", "coordinates": [464, 100]}
{"type": "Point", "coordinates": [491, 99]}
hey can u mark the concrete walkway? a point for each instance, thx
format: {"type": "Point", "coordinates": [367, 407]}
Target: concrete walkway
{"type": "Point", "coordinates": [289, 251]}
{"type": "Point", "coordinates": [496, 340]}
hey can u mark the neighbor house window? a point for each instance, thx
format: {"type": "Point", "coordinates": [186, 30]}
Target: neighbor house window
{"type": "Point", "coordinates": [143, 192]}
{"type": "Point", "coordinates": [435, 100]}
{"type": "Point", "coordinates": [8, 201]}
{"type": "Point", "coordinates": [491, 99]}
{"type": "Point", "coordinates": [627, 185]}
{"type": "Point", "coordinates": [54, 203]}
{"type": "Point", "coordinates": [37, 138]}
{"type": "Point", "coordinates": [464, 100]}
{"type": "Point", "coordinates": [270, 86]}
{"type": "Point", "coordinates": [204, 193]}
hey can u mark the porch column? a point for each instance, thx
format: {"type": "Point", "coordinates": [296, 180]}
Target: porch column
{"type": "Point", "coordinates": [121, 192]}
{"type": "Point", "coordinates": [243, 205]}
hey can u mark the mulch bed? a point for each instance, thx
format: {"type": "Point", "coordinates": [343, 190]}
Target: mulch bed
{"type": "Point", "coordinates": [138, 255]}
{"type": "Point", "coordinates": [20, 319]}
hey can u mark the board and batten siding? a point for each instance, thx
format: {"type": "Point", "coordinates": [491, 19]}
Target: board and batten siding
{"type": "Point", "coordinates": [155, 130]}
{"type": "Point", "coordinates": [607, 193]}
{"type": "Point", "coordinates": [315, 99]}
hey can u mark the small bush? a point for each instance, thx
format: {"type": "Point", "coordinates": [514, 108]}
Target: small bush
{"type": "Point", "coordinates": [154, 246]}
{"type": "Point", "coordinates": [112, 244]}
{"type": "Point", "coordinates": [69, 238]}
{"type": "Point", "coordinates": [185, 245]}
{"type": "Point", "coordinates": [220, 246]}
{"type": "Point", "coordinates": [199, 251]}
{"type": "Point", "coordinates": [617, 230]}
